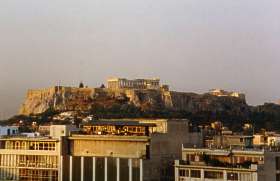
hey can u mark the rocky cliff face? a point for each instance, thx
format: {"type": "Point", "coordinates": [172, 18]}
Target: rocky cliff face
{"type": "Point", "coordinates": [84, 99]}
{"type": "Point", "coordinates": [105, 103]}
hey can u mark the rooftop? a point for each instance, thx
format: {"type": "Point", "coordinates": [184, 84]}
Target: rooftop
{"type": "Point", "coordinates": [26, 138]}
{"type": "Point", "coordinates": [216, 166]}
{"type": "Point", "coordinates": [119, 123]}
{"type": "Point", "coordinates": [226, 151]}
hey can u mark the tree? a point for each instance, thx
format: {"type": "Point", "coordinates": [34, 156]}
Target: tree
{"type": "Point", "coordinates": [81, 85]}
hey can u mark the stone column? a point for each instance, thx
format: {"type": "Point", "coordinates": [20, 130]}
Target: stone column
{"type": "Point", "coordinates": [130, 168]}
{"type": "Point", "coordinates": [71, 169]}
{"type": "Point", "coordinates": [93, 168]}
{"type": "Point", "coordinates": [82, 168]}
{"type": "Point", "coordinates": [50, 175]}
{"type": "Point", "coordinates": [225, 175]}
{"type": "Point", "coordinates": [176, 170]}
{"type": "Point", "coordinates": [118, 169]}
{"type": "Point", "coordinates": [61, 168]}
{"type": "Point", "coordinates": [105, 169]}
{"type": "Point", "coordinates": [141, 169]}
{"type": "Point", "coordinates": [202, 174]}
{"type": "Point", "coordinates": [255, 176]}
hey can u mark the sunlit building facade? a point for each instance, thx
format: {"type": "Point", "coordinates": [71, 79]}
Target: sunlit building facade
{"type": "Point", "coordinates": [32, 159]}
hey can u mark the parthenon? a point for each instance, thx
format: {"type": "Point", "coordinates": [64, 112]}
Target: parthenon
{"type": "Point", "coordinates": [122, 83]}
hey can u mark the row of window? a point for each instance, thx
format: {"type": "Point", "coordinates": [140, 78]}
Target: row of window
{"type": "Point", "coordinates": [38, 161]}
{"type": "Point", "coordinates": [117, 130]}
{"type": "Point", "coordinates": [234, 159]}
{"type": "Point", "coordinates": [38, 175]}
{"type": "Point", "coordinates": [207, 174]}
{"type": "Point", "coordinates": [23, 145]}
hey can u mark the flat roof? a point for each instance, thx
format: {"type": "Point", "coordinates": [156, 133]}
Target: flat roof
{"type": "Point", "coordinates": [119, 123]}
{"type": "Point", "coordinates": [25, 138]}
{"type": "Point", "coordinates": [238, 136]}
{"type": "Point", "coordinates": [109, 137]}
{"type": "Point", "coordinates": [224, 151]}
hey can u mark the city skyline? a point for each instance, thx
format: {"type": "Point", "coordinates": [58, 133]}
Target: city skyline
{"type": "Point", "coordinates": [193, 46]}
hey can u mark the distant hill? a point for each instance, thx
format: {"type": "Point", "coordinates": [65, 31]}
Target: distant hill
{"type": "Point", "coordinates": [130, 103]}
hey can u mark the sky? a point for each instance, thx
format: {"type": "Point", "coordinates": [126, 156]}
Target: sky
{"type": "Point", "coordinates": [192, 45]}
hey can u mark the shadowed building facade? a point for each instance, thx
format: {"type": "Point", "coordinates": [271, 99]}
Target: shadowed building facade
{"type": "Point", "coordinates": [228, 165]}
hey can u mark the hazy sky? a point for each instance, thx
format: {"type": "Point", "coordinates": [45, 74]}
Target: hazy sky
{"type": "Point", "coordinates": [193, 45]}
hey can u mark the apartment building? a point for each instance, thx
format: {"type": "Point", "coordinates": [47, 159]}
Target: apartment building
{"type": "Point", "coordinates": [224, 164]}
{"type": "Point", "coordinates": [25, 158]}
{"type": "Point", "coordinates": [111, 150]}
{"type": "Point", "coordinates": [267, 139]}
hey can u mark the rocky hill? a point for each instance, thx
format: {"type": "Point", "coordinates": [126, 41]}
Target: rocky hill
{"type": "Point", "coordinates": [92, 99]}
{"type": "Point", "coordinates": [129, 103]}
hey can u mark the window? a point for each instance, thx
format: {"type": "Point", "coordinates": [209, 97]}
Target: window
{"type": "Point", "coordinates": [195, 173]}
{"type": "Point", "coordinates": [8, 145]}
{"type": "Point", "coordinates": [196, 158]}
{"type": "Point", "coordinates": [51, 146]}
{"type": "Point", "coordinates": [277, 162]}
{"type": "Point", "coordinates": [17, 145]}
{"type": "Point", "coordinates": [41, 147]}
{"type": "Point", "coordinates": [277, 177]}
{"type": "Point", "coordinates": [192, 158]}
{"type": "Point", "coordinates": [232, 176]}
{"type": "Point", "coordinates": [213, 175]}
{"type": "Point", "coordinates": [32, 146]}
{"type": "Point", "coordinates": [23, 145]}
{"type": "Point", "coordinates": [183, 173]}
{"type": "Point", "coordinates": [46, 146]}
{"type": "Point", "coordinates": [241, 159]}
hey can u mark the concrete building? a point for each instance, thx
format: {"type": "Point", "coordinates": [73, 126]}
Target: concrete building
{"type": "Point", "coordinates": [108, 150]}
{"type": "Point", "coordinates": [166, 142]}
{"type": "Point", "coordinates": [221, 164]}
{"type": "Point", "coordinates": [267, 139]}
{"type": "Point", "coordinates": [219, 136]}
{"type": "Point", "coordinates": [44, 130]}
{"type": "Point", "coordinates": [63, 156]}
{"type": "Point", "coordinates": [125, 146]}
{"type": "Point", "coordinates": [166, 146]}
{"type": "Point", "coordinates": [58, 131]}
{"type": "Point", "coordinates": [33, 157]}
{"type": "Point", "coordinates": [232, 140]}
{"type": "Point", "coordinates": [8, 130]}
{"type": "Point", "coordinates": [121, 83]}
{"type": "Point", "coordinates": [23, 158]}
{"type": "Point", "coordinates": [100, 151]}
